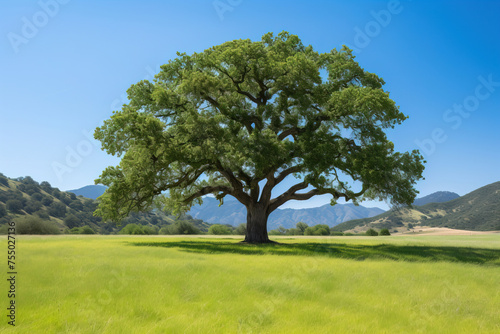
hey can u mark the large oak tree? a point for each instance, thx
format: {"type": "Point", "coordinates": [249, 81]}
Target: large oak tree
{"type": "Point", "coordinates": [240, 118]}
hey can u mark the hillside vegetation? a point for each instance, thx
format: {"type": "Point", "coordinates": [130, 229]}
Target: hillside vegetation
{"type": "Point", "coordinates": [39, 208]}
{"type": "Point", "coordinates": [476, 211]}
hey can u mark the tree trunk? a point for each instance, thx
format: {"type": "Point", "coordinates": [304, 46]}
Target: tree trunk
{"type": "Point", "coordinates": [257, 224]}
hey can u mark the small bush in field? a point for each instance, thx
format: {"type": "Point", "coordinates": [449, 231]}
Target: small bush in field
{"type": "Point", "coordinates": [384, 231]}
{"type": "Point", "coordinates": [219, 229]}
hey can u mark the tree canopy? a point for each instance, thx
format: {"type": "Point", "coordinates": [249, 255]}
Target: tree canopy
{"type": "Point", "coordinates": [240, 117]}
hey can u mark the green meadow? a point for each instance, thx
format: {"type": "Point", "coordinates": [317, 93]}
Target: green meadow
{"type": "Point", "coordinates": [145, 284]}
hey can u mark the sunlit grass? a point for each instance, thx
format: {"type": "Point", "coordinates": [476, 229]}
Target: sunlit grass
{"type": "Point", "coordinates": [110, 284]}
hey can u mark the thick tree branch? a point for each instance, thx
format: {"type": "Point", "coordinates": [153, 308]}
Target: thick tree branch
{"type": "Point", "coordinates": [208, 190]}
{"type": "Point", "coordinates": [237, 187]}
{"type": "Point", "coordinates": [286, 172]}
{"type": "Point", "coordinates": [286, 196]}
{"type": "Point", "coordinates": [291, 194]}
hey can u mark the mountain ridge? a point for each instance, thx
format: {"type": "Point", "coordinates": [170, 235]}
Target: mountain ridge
{"type": "Point", "coordinates": [90, 191]}
{"type": "Point", "coordinates": [478, 210]}
{"type": "Point", "coordinates": [234, 213]}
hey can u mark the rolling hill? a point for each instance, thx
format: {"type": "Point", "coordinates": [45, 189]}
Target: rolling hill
{"type": "Point", "coordinates": [476, 211]}
{"type": "Point", "coordinates": [24, 198]}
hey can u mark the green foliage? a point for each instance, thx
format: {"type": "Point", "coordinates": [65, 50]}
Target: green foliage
{"type": "Point", "coordinates": [219, 229]}
{"type": "Point", "coordinates": [35, 225]}
{"type": "Point", "coordinates": [384, 231]}
{"type": "Point", "coordinates": [32, 206]}
{"type": "Point", "coordinates": [180, 227]}
{"type": "Point", "coordinates": [271, 108]}
{"type": "Point", "coordinates": [3, 210]}
{"type": "Point", "coordinates": [82, 230]}
{"type": "Point", "coordinates": [72, 221]}
{"type": "Point", "coordinates": [87, 230]}
{"type": "Point", "coordinates": [4, 181]}
{"type": "Point", "coordinates": [279, 231]}
{"type": "Point", "coordinates": [76, 205]}
{"type": "Point", "coordinates": [57, 209]}
{"type": "Point", "coordinates": [45, 186]}
{"type": "Point", "coordinates": [301, 227]}
{"type": "Point", "coordinates": [132, 229]}
{"type": "Point", "coordinates": [319, 229]}
{"type": "Point", "coordinates": [75, 230]}
{"type": "Point", "coordinates": [46, 200]}
{"type": "Point", "coordinates": [41, 204]}
{"type": "Point", "coordinates": [240, 229]}
{"type": "Point", "coordinates": [14, 206]}
{"type": "Point", "coordinates": [371, 232]}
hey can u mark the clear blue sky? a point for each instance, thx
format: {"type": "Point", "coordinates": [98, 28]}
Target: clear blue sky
{"type": "Point", "coordinates": [65, 65]}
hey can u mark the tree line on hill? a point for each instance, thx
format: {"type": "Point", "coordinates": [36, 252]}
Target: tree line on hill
{"type": "Point", "coordinates": [39, 208]}
{"type": "Point", "coordinates": [302, 228]}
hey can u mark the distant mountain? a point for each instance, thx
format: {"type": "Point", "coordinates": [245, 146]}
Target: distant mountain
{"type": "Point", "coordinates": [437, 197]}
{"type": "Point", "coordinates": [92, 191]}
{"type": "Point", "coordinates": [476, 211]}
{"type": "Point", "coordinates": [234, 213]}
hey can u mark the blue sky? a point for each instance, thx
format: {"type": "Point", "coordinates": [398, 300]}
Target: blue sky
{"type": "Point", "coordinates": [66, 64]}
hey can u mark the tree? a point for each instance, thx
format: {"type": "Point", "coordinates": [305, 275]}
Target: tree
{"type": "Point", "coordinates": [57, 209]}
{"type": "Point", "coordinates": [301, 226]}
{"type": "Point", "coordinates": [35, 225]}
{"type": "Point", "coordinates": [3, 211]}
{"type": "Point", "coordinates": [384, 231]}
{"type": "Point", "coordinates": [240, 118]}
{"type": "Point", "coordinates": [180, 227]}
{"type": "Point", "coordinates": [14, 205]}
{"type": "Point", "coordinates": [4, 180]}
{"type": "Point", "coordinates": [320, 229]}
{"type": "Point", "coordinates": [87, 230]}
{"type": "Point", "coordinates": [72, 221]}
{"type": "Point", "coordinates": [240, 229]}
{"type": "Point", "coordinates": [219, 229]}
{"type": "Point", "coordinates": [371, 232]}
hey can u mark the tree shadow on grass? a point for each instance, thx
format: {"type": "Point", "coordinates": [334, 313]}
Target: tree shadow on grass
{"type": "Point", "coordinates": [338, 250]}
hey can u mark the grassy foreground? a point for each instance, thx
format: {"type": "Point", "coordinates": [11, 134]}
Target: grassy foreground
{"type": "Point", "coordinates": [123, 284]}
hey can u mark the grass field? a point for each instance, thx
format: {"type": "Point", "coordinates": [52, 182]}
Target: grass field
{"type": "Point", "coordinates": [125, 284]}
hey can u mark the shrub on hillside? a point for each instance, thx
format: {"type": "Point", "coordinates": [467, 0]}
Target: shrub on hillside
{"type": "Point", "coordinates": [72, 221]}
{"type": "Point", "coordinates": [3, 210]}
{"type": "Point", "coordinates": [14, 205]}
{"type": "Point", "coordinates": [57, 209]}
{"type": "Point", "coordinates": [35, 225]}
{"type": "Point", "coordinates": [3, 180]}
